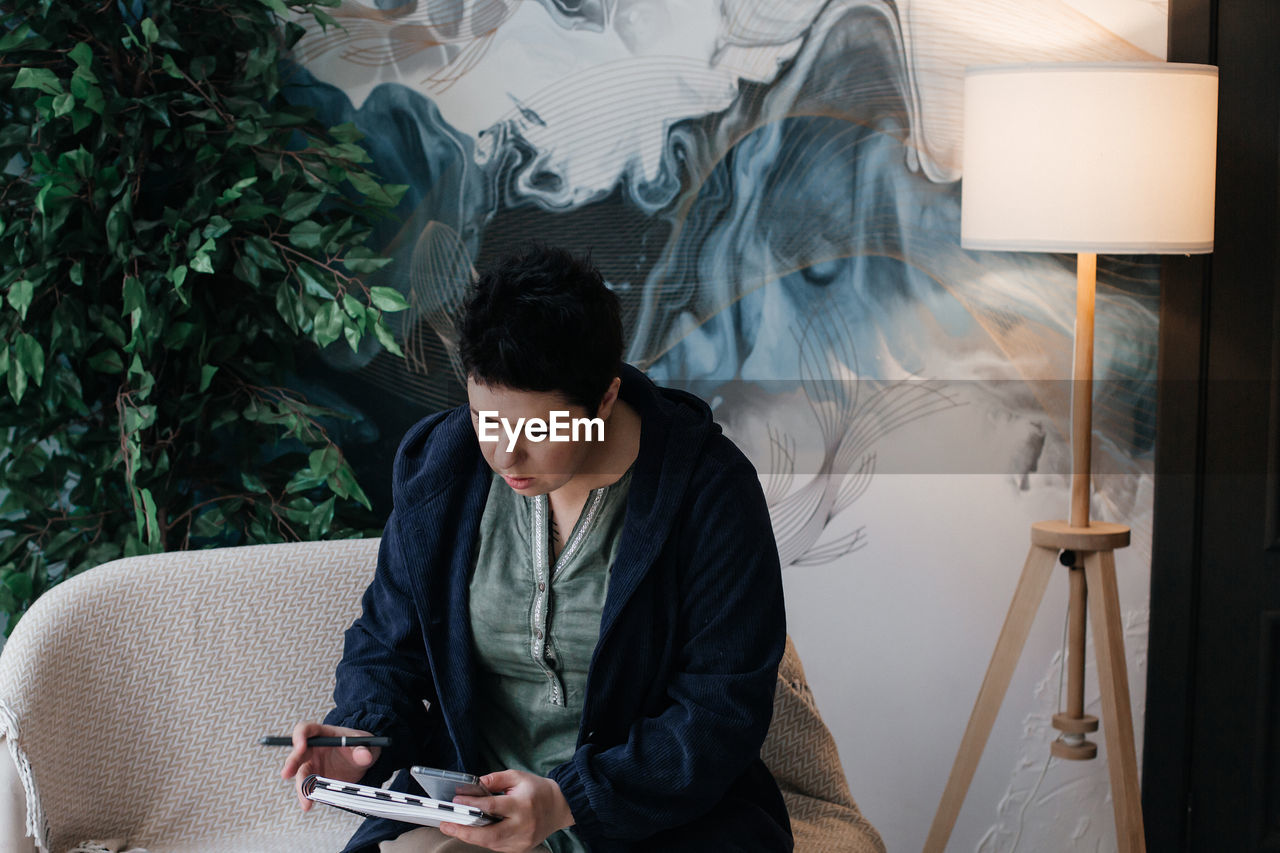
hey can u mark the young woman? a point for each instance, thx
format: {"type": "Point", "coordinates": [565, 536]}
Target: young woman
{"type": "Point", "coordinates": [593, 625]}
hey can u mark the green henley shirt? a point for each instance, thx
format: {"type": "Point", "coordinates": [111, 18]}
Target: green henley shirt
{"type": "Point", "coordinates": [535, 626]}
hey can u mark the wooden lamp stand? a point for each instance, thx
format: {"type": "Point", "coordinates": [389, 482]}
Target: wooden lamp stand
{"type": "Point", "coordinates": [1088, 549]}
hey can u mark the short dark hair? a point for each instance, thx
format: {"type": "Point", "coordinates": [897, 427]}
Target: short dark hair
{"type": "Point", "coordinates": [542, 319]}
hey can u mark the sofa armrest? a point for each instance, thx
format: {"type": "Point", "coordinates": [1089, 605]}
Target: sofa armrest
{"type": "Point", "coordinates": [801, 754]}
{"type": "Point", "coordinates": [187, 658]}
{"type": "Point", "coordinates": [13, 806]}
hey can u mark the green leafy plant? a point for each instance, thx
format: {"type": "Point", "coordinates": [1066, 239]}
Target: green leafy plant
{"type": "Point", "coordinates": [172, 234]}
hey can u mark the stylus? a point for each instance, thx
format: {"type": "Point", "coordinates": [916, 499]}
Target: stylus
{"type": "Point", "coordinates": [328, 741]}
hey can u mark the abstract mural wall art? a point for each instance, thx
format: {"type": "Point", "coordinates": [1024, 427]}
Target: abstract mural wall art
{"type": "Point", "coordinates": [772, 189]}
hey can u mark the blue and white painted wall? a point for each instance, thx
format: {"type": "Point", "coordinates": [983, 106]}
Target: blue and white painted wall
{"type": "Point", "coordinates": [772, 188]}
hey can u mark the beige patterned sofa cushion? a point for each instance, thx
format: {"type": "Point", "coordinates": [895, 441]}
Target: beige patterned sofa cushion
{"type": "Point", "coordinates": [132, 697]}
{"type": "Point", "coordinates": [802, 756]}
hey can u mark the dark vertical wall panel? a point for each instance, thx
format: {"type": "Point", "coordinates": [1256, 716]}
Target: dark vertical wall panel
{"type": "Point", "coordinates": [1269, 723]}
{"type": "Point", "coordinates": [1175, 550]}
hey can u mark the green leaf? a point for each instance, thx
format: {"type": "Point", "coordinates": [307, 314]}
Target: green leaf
{"type": "Point", "coordinates": [38, 78]}
{"type": "Point", "coordinates": [355, 308]}
{"type": "Point", "coordinates": [63, 104]}
{"type": "Point", "coordinates": [246, 270]}
{"type": "Point", "coordinates": [80, 119]}
{"type": "Point", "coordinates": [325, 461]}
{"type": "Point", "coordinates": [382, 195]}
{"type": "Point", "coordinates": [81, 55]}
{"type": "Point", "coordinates": [276, 6]}
{"type": "Point", "coordinates": [351, 331]}
{"type": "Point", "coordinates": [17, 380]}
{"type": "Point", "coordinates": [113, 330]}
{"type": "Point", "coordinates": [306, 235]}
{"type": "Point", "coordinates": [263, 253]}
{"type": "Point", "coordinates": [343, 483]}
{"type": "Point", "coordinates": [287, 305]}
{"type": "Point", "coordinates": [29, 355]}
{"type": "Point", "coordinates": [77, 274]}
{"type": "Point", "coordinates": [299, 509]}
{"type": "Point", "coordinates": [203, 66]}
{"type": "Point", "coordinates": [361, 259]}
{"type": "Point", "coordinates": [364, 182]}
{"type": "Point", "coordinates": [178, 335]}
{"type": "Point", "coordinates": [80, 162]}
{"type": "Point", "coordinates": [312, 283]}
{"type": "Point", "coordinates": [385, 338]}
{"type": "Point", "coordinates": [216, 227]}
{"type": "Point", "coordinates": [119, 219]}
{"type": "Point", "coordinates": [206, 376]}
{"type": "Point", "coordinates": [152, 534]}
{"type": "Point", "coordinates": [84, 89]}
{"type": "Point", "coordinates": [299, 205]}
{"type": "Point", "coordinates": [210, 523]}
{"type": "Point", "coordinates": [328, 324]}
{"type": "Point", "coordinates": [14, 38]}
{"type": "Point", "coordinates": [20, 294]}
{"type": "Point", "coordinates": [149, 31]}
{"type": "Point", "coordinates": [348, 151]}
{"type": "Point", "coordinates": [10, 605]}
{"type": "Point", "coordinates": [320, 519]}
{"type": "Point", "coordinates": [234, 191]}
{"type": "Point", "coordinates": [387, 299]}
{"type": "Point", "coordinates": [19, 583]}
{"type": "Point", "coordinates": [346, 132]}
{"type": "Point", "coordinates": [135, 297]}
{"type": "Point", "coordinates": [177, 275]}
{"type": "Point", "coordinates": [302, 481]}
{"type": "Point", "coordinates": [293, 31]}
{"type": "Point", "coordinates": [201, 263]}
{"type": "Point", "coordinates": [107, 361]}
{"type": "Point", "coordinates": [50, 195]}
{"type": "Point", "coordinates": [170, 67]}
{"type": "Point", "coordinates": [140, 417]}
{"type": "Point", "coordinates": [252, 483]}
{"type": "Point", "coordinates": [258, 61]}
{"type": "Point", "coordinates": [325, 20]}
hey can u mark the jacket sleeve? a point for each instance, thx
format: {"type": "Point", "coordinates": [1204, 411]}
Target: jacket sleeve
{"type": "Point", "coordinates": [383, 682]}
{"type": "Point", "coordinates": [677, 765]}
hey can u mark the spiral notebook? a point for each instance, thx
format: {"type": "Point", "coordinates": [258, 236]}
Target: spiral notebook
{"type": "Point", "coordinates": [376, 802]}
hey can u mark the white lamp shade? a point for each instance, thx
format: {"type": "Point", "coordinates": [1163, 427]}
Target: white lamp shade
{"type": "Point", "coordinates": [1113, 158]}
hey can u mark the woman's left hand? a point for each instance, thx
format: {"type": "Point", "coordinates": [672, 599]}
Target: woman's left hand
{"type": "Point", "coordinates": [531, 808]}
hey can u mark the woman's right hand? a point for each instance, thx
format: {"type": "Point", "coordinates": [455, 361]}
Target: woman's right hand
{"type": "Point", "coordinates": [344, 763]}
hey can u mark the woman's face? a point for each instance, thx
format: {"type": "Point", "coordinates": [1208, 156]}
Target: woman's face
{"type": "Point", "coordinates": [529, 467]}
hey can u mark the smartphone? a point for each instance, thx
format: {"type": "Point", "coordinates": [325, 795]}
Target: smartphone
{"type": "Point", "coordinates": [447, 784]}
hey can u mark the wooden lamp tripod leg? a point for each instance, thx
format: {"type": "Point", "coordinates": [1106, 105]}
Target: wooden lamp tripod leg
{"type": "Point", "coordinates": [1013, 636]}
{"type": "Point", "coordinates": [1117, 716]}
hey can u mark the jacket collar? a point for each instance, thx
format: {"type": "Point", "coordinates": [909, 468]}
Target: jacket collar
{"type": "Point", "coordinates": [672, 433]}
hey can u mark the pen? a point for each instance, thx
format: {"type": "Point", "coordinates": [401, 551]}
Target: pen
{"type": "Point", "coordinates": [328, 741]}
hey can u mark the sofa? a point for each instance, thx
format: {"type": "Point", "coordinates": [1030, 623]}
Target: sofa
{"type": "Point", "coordinates": [132, 698]}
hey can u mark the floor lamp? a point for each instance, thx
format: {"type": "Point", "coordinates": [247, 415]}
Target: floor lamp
{"type": "Point", "coordinates": [1113, 158]}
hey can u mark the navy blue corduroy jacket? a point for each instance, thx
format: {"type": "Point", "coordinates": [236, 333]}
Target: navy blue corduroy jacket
{"type": "Point", "coordinates": [680, 688]}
